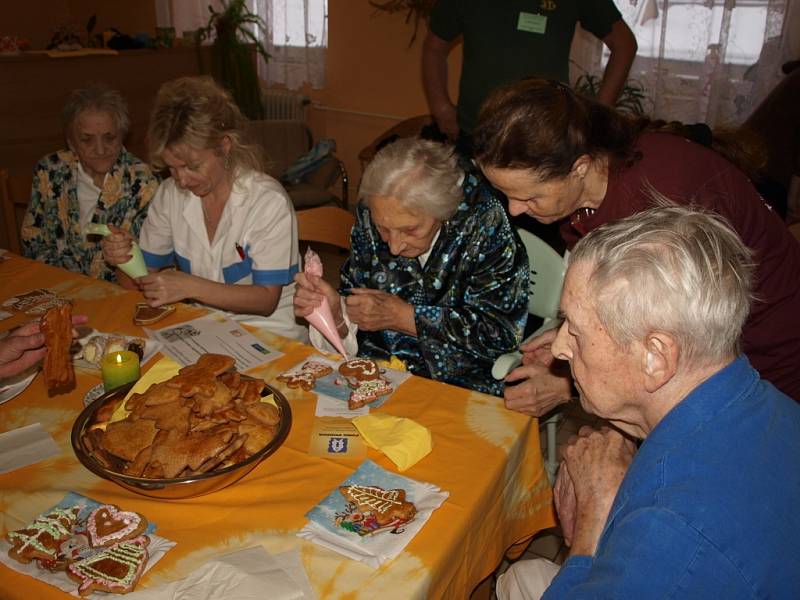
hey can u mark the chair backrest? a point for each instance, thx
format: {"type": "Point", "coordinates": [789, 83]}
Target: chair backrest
{"type": "Point", "coordinates": [408, 128]}
{"type": "Point", "coordinates": [326, 225]}
{"type": "Point", "coordinates": [14, 196]}
{"type": "Point", "coordinates": [795, 230]}
{"type": "Point", "coordinates": [547, 276]}
{"type": "Point", "coordinates": [283, 142]}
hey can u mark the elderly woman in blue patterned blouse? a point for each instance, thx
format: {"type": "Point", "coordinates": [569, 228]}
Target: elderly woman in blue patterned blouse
{"type": "Point", "coordinates": [95, 180]}
{"type": "Point", "coordinates": [436, 275]}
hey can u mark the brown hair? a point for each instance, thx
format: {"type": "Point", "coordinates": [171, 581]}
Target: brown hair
{"type": "Point", "coordinates": [198, 112]}
{"type": "Point", "coordinates": [544, 126]}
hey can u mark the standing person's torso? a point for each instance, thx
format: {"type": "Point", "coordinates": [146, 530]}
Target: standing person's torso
{"type": "Point", "coordinates": [690, 174]}
{"type": "Point", "coordinates": [514, 39]}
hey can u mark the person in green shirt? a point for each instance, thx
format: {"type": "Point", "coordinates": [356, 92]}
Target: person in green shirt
{"type": "Point", "coordinates": [504, 42]}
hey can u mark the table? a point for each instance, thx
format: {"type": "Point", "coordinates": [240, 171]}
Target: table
{"type": "Point", "coordinates": [487, 457]}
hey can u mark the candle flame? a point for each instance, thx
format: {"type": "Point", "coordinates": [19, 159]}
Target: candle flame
{"type": "Point", "coordinates": [119, 357]}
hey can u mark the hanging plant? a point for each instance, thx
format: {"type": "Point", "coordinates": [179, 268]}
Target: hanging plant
{"type": "Point", "coordinates": [232, 65]}
{"type": "Point", "coordinates": [416, 11]}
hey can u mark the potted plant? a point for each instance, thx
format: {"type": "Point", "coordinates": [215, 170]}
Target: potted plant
{"type": "Point", "coordinates": [233, 39]}
{"type": "Point", "coordinates": [630, 101]}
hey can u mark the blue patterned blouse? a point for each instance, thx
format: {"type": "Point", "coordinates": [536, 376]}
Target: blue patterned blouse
{"type": "Point", "coordinates": [470, 299]}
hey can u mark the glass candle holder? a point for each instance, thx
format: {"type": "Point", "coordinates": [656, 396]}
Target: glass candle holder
{"type": "Point", "coordinates": [119, 368]}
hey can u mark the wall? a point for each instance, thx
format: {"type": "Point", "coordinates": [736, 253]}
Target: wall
{"type": "Point", "coordinates": [372, 69]}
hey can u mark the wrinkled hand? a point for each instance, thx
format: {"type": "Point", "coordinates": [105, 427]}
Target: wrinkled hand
{"type": "Point", "coordinates": [374, 310]}
{"type": "Point", "coordinates": [542, 390]}
{"type": "Point", "coordinates": [447, 120]}
{"type": "Point", "coordinates": [597, 461]}
{"type": "Point", "coordinates": [564, 496]}
{"type": "Point", "coordinates": [166, 287]}
{"type": "Point", "coordinates": [538, 351]}
{"type": "Point", "coordinates": [24, 347]}
{"type": "Point", "coordinates": [117, 246]}
{"type": "Point", "coordinates": [309, 292]}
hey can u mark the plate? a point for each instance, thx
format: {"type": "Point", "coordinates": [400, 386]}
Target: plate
{"type": "Point", "coordinates": [93, 394]}
{"type": "Point", "coordinates": [150, 346]}
{"type": "Point", "coordinates": [13, 386]}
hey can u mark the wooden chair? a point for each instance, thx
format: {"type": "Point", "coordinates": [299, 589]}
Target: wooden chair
{"type": "Point", "coordinates": [408, 128]}
{"type": "Point", "coordinates": [326, 225]}
{"type": "Point", "coordinates": [14, 195]}
{"type": "Point", "coordinates": [795, 230]}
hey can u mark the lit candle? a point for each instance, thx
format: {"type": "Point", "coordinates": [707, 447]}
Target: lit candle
{"type": "Point", "coordinates": [119, 368]}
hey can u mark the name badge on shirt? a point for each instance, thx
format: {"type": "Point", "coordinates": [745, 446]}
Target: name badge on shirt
{"type": "Point", "coordinates": [531, 23]}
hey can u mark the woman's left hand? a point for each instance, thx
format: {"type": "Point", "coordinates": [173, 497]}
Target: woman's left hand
{"type": "Point", "coordinates": [374, 310]}
{"type": "Point", "coordinates": [166, 287]}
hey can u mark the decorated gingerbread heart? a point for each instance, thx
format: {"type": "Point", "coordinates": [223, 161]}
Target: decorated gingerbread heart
{"type": "Point", "coordinates": [107, 525]}
{"type": "Point", "coordinates": [116, 569]}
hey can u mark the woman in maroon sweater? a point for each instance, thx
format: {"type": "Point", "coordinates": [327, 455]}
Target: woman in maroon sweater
{"type": "Point", "coordinates": [561, 157]}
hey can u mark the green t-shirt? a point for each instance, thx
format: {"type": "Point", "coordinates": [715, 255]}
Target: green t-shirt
{"type": "Point", "coordinates": [508, 40]}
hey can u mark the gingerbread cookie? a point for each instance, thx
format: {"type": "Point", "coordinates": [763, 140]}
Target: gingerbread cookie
{"type": "Point", "coordinates": [388, 506]}
{"type": "Point", "coordinates": [56, 326]}
{"type": "Point", "coordinates": [41, 538]}
{"type": "Point", "coordinates": [357, 370]}
{"type": "Point", "coordinates": [306, 376]}
{"type": "Point", "coordinates": [116, 569]}
{"type": "Point", "coordinates": [367, 392]}
{"type": "Point", "coordinates": [107, 525]}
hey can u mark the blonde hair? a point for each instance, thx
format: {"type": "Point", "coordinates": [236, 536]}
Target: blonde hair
{"type": "Point", "coordinates": [197, 112]}
{"type": "Point", "coordinates": [673, 269]}
{"type": "Point", "coordinates": [423, 175]}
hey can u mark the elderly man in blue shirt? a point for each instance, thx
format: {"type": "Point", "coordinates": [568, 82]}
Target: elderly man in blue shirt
{"type": "Point", "coordinates": [707, 507]}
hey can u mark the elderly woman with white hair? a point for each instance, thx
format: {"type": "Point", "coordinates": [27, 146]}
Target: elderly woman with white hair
{"type": "Point", "coordinates": [94, 180]}
{"type": "Point", "coordinates": [436, 276]}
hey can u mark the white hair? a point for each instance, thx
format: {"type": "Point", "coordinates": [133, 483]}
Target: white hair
{"type": "Point", "coordinates": [673, 269]}
{"type": "Point", "coordinates": [423, 175]}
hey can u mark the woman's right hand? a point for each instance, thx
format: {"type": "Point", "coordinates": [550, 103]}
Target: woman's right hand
{"type": "Point", "coordinates": [309, 292]}
{"type": "Point", "coordinates": [117, 246]}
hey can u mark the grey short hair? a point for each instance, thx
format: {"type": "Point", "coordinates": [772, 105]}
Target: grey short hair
{"type": "Point", "coordinates": [198, 112]}
{"type": "Point", "coordinates": [423, 175]}
{"type": "Point", "coordinates": [673, 269]}
{"type": "Point", "coordinates": [99, 97]}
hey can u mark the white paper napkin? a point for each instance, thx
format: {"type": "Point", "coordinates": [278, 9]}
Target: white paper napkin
{"type": "Point", "coordinates": [378, 547]}
{"type": "Point", "coordinates": [251, 574]}
{"type": "Point", "coordinates": [26, 446]}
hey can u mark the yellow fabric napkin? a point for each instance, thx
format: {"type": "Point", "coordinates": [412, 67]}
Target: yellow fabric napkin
{"type": "Point", "coordinates": [164, 369]}
{"type": "Point", "coordinates": [404, 441]}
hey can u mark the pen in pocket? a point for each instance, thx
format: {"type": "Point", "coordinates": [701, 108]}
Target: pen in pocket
{"type": "Point", "coordinates": [240, 252]}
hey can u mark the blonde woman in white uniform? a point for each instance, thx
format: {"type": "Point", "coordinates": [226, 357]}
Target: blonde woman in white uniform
{"type": "Point", "coordinates": [228, 227]}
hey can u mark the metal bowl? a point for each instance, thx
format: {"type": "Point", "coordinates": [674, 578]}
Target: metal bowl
{"type": "Point", "coordinates": [178, 487]}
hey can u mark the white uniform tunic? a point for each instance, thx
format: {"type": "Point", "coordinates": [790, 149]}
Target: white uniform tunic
{"type": "Point", "coordinates": [255, 242]}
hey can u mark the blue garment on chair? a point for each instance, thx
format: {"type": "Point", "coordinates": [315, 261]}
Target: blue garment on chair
{"type": "Point", "coordinates": [310, 161]}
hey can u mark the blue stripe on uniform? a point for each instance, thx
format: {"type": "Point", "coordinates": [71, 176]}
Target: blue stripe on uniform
{"type": "Point", "coordinates": [275, 276]}
{"type": "Point", "coordinates": [158, 261]}
{"type": "Point", "coordinates": [238, 270]}
{"type": "Point", "coordinates": [184, 264]}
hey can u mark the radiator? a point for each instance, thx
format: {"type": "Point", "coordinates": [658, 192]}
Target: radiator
{"type": "Point", "coordinates": [284, 105]}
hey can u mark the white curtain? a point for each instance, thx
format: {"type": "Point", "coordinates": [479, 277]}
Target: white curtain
{"type": "Point", "coordinates": [707, 61]}
{"type": "Point", "coordinates": [296, 36]}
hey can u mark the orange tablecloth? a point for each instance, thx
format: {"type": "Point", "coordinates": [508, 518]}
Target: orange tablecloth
{"type": "Point", "coordinates": [487, 457]}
